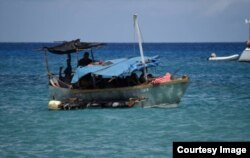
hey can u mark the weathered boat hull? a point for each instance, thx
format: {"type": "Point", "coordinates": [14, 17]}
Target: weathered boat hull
{"type": "Point", "coordinates": [162, 95]}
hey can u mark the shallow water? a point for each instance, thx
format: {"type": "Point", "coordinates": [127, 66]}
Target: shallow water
{"type": "Point", "coordinates": [215, 107]}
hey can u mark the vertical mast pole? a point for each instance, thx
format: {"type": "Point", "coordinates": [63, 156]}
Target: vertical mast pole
{"type": "Point", "coordinates": [248, 22]}
{"type": "Point", "coordinates": [248, 41]}
{"type": "Point", "coordinates": [137, 29]}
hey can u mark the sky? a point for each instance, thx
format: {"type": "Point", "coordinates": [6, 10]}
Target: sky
{"type": "Point", "coordinates": [112, 20]}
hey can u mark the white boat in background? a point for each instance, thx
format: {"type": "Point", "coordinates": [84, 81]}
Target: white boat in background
{"type": "Point", "coordinates": [245, 55]}
{"type": "Point", "coordinates": [213, 57]}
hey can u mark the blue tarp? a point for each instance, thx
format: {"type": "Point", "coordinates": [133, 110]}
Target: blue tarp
{"type": "Point", "coordinates": [119, 67]}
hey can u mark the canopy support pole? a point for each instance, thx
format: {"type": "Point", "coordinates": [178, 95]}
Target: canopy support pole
{"type": "Point", "coordinates": [92, 55]}
{"type": "Point", "coordinates": [93, 80]}
{"type": "Point", "coordinates": [249, 30]}
{"type": "Point", "coordinates": [47, 63]}
{"type": "Point", "coordinates": [77, 58]}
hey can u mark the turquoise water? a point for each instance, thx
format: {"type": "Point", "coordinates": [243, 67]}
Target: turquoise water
{"type": "Point", "coordinates": [216, 106]}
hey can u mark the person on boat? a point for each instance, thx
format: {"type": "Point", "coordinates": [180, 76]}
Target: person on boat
{"type": "Point", "coordinates": [85, 60]}
{"type": "Point", "coordinates": [133, 79]}
{"type": "Point", "coordinates": [67, 72]}
{"type": "Point", "coordinates": [248, 43]}
{"type": "Point", "coordinates": [142, 78]}
{"type": "Point", "coordinates": [213, 55]}
{"type": "Point", "coordinates": [86, 82]}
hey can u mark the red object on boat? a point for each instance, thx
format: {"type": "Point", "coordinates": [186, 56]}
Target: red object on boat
{"type": "Point", "coordinates": [248, 43]}
{"type": "Point", "coordinates": [163, 79]}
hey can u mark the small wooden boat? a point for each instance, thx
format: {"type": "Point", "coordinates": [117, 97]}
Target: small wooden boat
{"type": "Point", "coordinates": [213, 57]}
{"type": "Point", "coordinates": [102, 85]}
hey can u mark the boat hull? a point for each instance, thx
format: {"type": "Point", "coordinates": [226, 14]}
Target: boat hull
{"type": "Point", "coordinates": [245, 55]}
{"type": "Point", "coordinates": [162, 95]}
{"type": "Point", "coordinates": [231, 57]}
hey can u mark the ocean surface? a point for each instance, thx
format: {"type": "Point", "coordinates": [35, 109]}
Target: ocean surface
{"type": "Point", "coordinates": [215, 107]}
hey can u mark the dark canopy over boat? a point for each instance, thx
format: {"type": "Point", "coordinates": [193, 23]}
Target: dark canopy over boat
{"type": "Point", "coordinates": [72, 47]}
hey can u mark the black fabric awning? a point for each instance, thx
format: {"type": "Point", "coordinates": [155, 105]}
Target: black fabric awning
{"type": "Point", "coordinates": [71, 47]}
